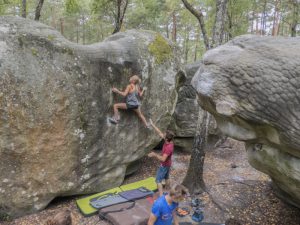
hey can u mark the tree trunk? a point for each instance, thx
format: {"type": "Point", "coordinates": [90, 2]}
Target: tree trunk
{"type": "Point", "coordinates": [121, 10]}
{"type": "Point", "coordinates": [52, 17]}
{"type": "Point", "coordinates": [229, 17]}
{"type": "Point", "coordinates": [24, 8]}
{"type": "Point", "coordinates": [174, 30]}
{"type": "Point", "coordinates": [83, 30]}
{"type": "Point", "coordinates": [264, 19]}
{"type": "Point", "coordinates": [196, 47]}
{"type": "Point", "coordinates": [252, 22]}
{"type": "Point", "coordinates": [257, 22]}
{"type": "Point", "coordinates": [38, 10]}
{"type": "Point", "coordinates": [118, 16]}
{"type": "Point", "coordinates": [101, 29]}
{"type": "Point", "coordinates": [218, 29]}
{"type": "Point", "coordinates": [276, 18]}
{"type": "Point", "coordinates": [194, 176]}
{"type": "Point", "coordinates": [186, 43]}
{"type": "Point", "coordinates": [61, 26]}
{"type": "Point", "coordinates": [253, 16]}
{"type": "Point", "coordinates": [77, 32]}
{"type": "Point", "coordinates": [295, 18]}
{"type": "Point", "coordinates": [200, 18]}
{"type": "Point", "coordinates": [167, 29]}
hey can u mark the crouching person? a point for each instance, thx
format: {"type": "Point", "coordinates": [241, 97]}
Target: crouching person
{"type": "Point", "coordinates": [164, 208]}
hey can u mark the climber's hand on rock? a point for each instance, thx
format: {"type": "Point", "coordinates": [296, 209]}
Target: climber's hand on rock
{"type": "Point", "coordinates": [151, 154]}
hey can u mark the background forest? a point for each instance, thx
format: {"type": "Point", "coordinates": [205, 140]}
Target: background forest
{"type": "Point", "coordinates": [90, 21]}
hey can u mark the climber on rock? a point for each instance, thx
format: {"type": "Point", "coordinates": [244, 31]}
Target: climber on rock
{"type": "Point", "coordinates": [132, 94]}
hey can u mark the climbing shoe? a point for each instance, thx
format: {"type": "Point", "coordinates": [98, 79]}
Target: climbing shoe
{"type": "Point", "coordinates": [113, 120]}
{"type": "Point", "coordinates": [149, 126]}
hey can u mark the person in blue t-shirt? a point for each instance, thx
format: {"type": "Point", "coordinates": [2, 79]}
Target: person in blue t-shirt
{"type": "Point", "coordinates": [163, 210]}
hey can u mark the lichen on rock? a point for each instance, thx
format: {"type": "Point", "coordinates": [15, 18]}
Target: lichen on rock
{"type": "Point", "coordinates": [161, 49]}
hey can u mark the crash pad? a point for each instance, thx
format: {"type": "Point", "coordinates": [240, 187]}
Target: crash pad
{"type": "Point", "coordinates": [84, 203]}
{"type": "Point", "coordinates": [148, 183]}
{"type": "Point", "coordinates": [107, 200]}
{"type": "Point", "coordinates": [128, 213]}
{"type": "Point", "coordinates": [136, 193]}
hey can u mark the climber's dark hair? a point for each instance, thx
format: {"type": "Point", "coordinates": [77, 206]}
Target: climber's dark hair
{"type": "Point", "coordinates": [169, 135]}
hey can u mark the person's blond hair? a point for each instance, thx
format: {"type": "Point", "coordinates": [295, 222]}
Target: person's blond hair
{"type": "Point", "coordinates": [136, 79]}
{"type": "Point", "coordinates": [178, 190]}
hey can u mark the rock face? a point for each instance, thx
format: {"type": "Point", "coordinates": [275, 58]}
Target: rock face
{"type": "Point", "coordinates": [186, 111]}
{"type": "Point", "coordinates": [55, 99]}
{"type": "Point", "coordinates": [252, 87]}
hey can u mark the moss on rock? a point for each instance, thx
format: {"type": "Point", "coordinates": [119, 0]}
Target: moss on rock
{"type": "Point", "coordinates": [34, 51]}
{"type": "Point", "coordinates": [161, 49]}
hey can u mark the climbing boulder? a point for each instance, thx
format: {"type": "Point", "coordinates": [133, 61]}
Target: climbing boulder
{"type": "Point", "coordinates": [251, 86]}
{"type": "Point", "coordinates": [187, 110]}
{"type": "Point", "coordinates": [55, 100]}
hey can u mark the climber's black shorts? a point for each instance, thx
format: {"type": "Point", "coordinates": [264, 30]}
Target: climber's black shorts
{"type": "Point", "coordinates": [132, 106]}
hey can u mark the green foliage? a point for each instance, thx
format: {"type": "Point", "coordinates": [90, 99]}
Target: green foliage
{"type": "Point", "coordinates": [5, 5]}
{"type": "Point", "coordinates": [34, 51]}
{"type": "Point", "coordinates": [161, 49]}
{"type": "Point", "coordinates": [50, 37]}
{"type": "Point", "coordinates": [238, 16]}
{"type": "Point", "coordinates": [102, 6]}
{"type": "Point", "coordinates": [90, 21]}
{"type": "Point", "coordinates": [72, 7]}
{"type": "Point", "coordinates": [104, 12]}
{"type": "Point", "coordinates": [3, 215]}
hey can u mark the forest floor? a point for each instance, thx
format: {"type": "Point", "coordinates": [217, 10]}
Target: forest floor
{"type": "Point", "coordinates": [234, 190]}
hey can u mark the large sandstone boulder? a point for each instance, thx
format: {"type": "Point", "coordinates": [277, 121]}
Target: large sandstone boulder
{"type": "Point", "coordinates": [55, 99]}
{"type": "Point", "coordinates": [187, 111]}
{"type": "Point", "coordinates": [252, 87]}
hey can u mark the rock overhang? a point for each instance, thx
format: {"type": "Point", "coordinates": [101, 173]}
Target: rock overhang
{"type": "Point", "coordinates": [251, 86]}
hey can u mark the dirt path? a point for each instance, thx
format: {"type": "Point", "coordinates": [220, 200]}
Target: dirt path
{"type": "Point", "coordinates": [235, 190]}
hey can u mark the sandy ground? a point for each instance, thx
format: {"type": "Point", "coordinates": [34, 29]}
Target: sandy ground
{"type": "Point", "coordinates": [234, 190]}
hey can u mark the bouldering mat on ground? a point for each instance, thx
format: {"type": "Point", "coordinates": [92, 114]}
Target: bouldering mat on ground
{"type": "Point", "coordinates": [84, 203]}
{"type": "Point", "coordinates": [127, 213]}
{"type": "Point", "coordinates": [136, 193]}
{"type": "Point", "coordinates": [107, 200]}
{"type": "Point", "coordinates": [148, 183]}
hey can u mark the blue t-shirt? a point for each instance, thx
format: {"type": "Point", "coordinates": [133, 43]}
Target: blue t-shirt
{"type": "Point", "coordinates": [163, 211]}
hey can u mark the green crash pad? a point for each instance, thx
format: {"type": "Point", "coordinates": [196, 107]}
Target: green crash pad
{"type": "Point", "coordinates": [84, 203]}
{"type": "Point", "coordinates": [148, 183]}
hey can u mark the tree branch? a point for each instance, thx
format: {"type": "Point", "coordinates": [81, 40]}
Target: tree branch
{"type": "Point", "coordinates": [200, 18]}
{"type": "Point", "coordinates": [38, 10]}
